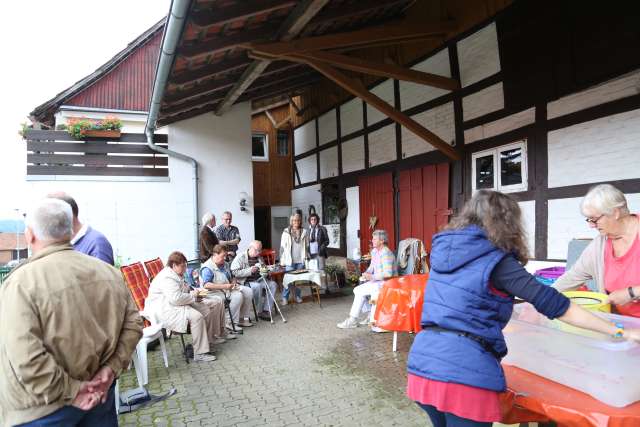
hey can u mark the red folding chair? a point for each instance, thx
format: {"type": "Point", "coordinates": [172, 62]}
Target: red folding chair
{"type": "Point", "coordinates": [153, 267]}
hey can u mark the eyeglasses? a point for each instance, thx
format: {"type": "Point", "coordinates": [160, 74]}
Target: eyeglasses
{"type": "Point", "coordinates": [594, 220]}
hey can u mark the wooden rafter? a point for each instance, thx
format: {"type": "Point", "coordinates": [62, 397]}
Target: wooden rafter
{"type": "Point", "coordinates": [173, 97]}
{"type": "Point", "coordinates": [243, 10]}
{"type": "Point", "coordinates": [224, 43]}
{"type": "Point", "coordinates": [356, 88]}
{"type": "Point", "coordinates": [257, 109]}
{"type": "Point", "coordinates": [270, 91]}
{"type": "Point", "coordinates": [189, 105]}
{"type": "Point", "coordinates": [292, 26]}
{"type": "Point", "coordinates": [283, 122]}
{"type": "Point", "coordinates": [400, 32]}
{"type": "Point", "coordinates": [293, 103]}
{"type": "Point", "coordinates": [271, 119]}
{"type": "Point", "coordinates": [210, 70]}
{"type": "Point", "coordinates": [352, 11]}
{"type": "Point", "coordinates": [383, 70]}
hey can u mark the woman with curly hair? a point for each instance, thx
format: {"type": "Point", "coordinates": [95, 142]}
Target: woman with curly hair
{"type": "Point", "coordinates": [476, 271]}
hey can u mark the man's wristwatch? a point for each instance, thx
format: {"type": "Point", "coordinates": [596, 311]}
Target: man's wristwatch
{"type": "Point", "coordinates": [632, 294]}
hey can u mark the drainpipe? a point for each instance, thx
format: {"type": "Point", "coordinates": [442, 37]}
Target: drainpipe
{"type": "Point", "coordinates": [172, 31]}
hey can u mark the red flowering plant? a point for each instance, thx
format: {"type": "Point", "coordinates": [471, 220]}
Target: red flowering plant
{"type": "Point", "coordinates": [79, 126]}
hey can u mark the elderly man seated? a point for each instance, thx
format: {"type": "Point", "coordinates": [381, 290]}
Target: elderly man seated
{"type": "Point", "coordinates": [171, 302]}
{"type": "Point", "coordinates": [215, 275]}
{"type": "Point", "coordinates": [246, 268]}
{"type": "Point", "coordinates": [382, 267]}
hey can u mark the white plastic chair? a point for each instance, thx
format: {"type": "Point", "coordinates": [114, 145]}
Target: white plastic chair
{"type": "Point", "coordinates": [150, 334]}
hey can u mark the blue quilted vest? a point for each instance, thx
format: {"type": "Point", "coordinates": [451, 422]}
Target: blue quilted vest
{"type": "Point", "coordinates": [457, 298]}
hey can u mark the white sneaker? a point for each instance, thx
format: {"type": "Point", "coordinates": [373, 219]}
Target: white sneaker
{"type": "Point", "coordinates": [365, 321]}
{"type": "Point", "coordinates": [378, 330]}
{"type": "Point", "coordinates": [348, 323]}
{"type": "Point", "coordinates": [299, 300]}
{"type": "Point", "coordinates": [203, 357]}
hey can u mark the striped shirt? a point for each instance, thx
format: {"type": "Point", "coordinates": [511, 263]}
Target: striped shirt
{"type": "Point", "coordinates": [383, 264]}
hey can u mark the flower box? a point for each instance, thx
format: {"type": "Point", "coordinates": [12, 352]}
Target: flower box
{"type": "Point", "coordinates": [101, 133]}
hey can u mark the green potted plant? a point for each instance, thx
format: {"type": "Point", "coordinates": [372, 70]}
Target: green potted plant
{"type": "Point", "coordinates": [80, 128]}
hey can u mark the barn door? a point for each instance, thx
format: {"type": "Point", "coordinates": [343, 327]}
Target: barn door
{"type": "Point", "coordinates": [424, 201]}
{"type": "Point", "coordinates": [376, 200]}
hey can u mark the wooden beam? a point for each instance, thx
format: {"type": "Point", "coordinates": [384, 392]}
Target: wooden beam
{"type": "Point", "coordinates": [292, 26]}
{"type": "Point", "coordinates": [278, 102]}
{"type": "Point", "coordinates": [224, 43]}
{"type": "Point", "coordinates": [174, 97]}
{"type": "Point", "coordinates": [271, 119]}
{"type": "Point", "coordinates": [383, 70]}
{"type": "Point", "coordinates": [293, 103]}
{"type": "Point", "coordinates": [352, 11]}
{"type": "Point", "coordinates": [358, 89]}
{"type": "Point", "coordinates": [278, 89]}
{"type": "Point", "coordinates": [242, 10]}
{"type": "Point", "coordinates": [210, 70]}
{"type": "Point", "coordinates": [172, 109]}
{"type": "Point", "coordinates": [394, 33]}
{"type": "Point", "coordinates": [283, 122]}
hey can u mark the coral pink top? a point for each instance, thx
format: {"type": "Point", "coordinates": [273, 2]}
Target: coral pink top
{"type": "Point", "coordinates": [465, 401]}
{"type": "Point", "coordinates": [622, 272]}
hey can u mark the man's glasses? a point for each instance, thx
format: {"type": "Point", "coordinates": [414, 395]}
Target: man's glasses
{"type": "Point", "coordinates": [594, 220]}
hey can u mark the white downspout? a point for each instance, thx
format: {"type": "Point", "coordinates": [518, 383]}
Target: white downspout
{"type": "Point", "coordinates": [172, 31]}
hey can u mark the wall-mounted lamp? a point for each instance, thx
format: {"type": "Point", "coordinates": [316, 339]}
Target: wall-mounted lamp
{"type": "Point", "coordinates": [244, 201]}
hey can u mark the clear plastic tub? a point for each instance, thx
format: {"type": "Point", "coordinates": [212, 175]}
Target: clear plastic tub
{"type": "Point", "coordinates": [599, 365]}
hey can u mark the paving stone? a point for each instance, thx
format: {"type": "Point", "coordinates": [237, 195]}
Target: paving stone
{"type": "Point", "coordinates": [303, 372]}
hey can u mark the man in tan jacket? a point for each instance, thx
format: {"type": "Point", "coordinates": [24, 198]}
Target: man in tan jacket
{"type": "Point", "coordinates": [69, 327]}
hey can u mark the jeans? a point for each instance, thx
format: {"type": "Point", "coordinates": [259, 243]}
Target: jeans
{"type": "Point", "coordinates": [285, 292]}
{"type": "Point", "coordinates": [103, 415]}
{"type": "Point", "coordinates": [447, 419]}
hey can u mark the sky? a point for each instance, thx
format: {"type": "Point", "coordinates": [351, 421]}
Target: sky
{"type": "Point", "coordinates": [47, 46]}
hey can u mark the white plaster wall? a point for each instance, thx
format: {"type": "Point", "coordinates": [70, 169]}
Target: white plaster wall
{"type": "Point", "coordinates": [498, 127]}
{"type": "Point", "coordinates": [611, 90]}
{"type": "Point", "coordinates": [382, 145]}
{"type": "Point", "coordinates": [222, 146]}
{"type": "Point", "coordinates": [302, 198]}
{"type": "Point", "coordinates": [478, 55]}
{"type": "Point", "coordinates": [438, 120]}
{"type": "Point", "coordinates": [353, 155]}
{"type": "Point", "coordinates": [483, 102]}
{"type": "Point", "coordinates": [329, 162]}
{"type": "Point", "coordinates": [353, 219]}
{"type": "Point", "coordinates": [307, 169]}
{"type": "Point", "coordinates": [304, 138]}
{"type": "Point", "coordinates": [384, 91]}
{"type": "Point", "coordinates": [327, 127]}
{"type": "Point", "coordinates": [566, 223]}
{"type": "Point", "coordinates": [528, 209]}
{"type": "Point", "coordinates": [351, 119]}
{"type": "Point", "coordinates": [412, 94]}
{"type": "Point", "coordinates": [276, 233]}
{"type": "Point", "coordinates": [605, 149]}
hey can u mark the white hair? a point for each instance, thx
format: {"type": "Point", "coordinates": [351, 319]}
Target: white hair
{"type": "Point", "coordinates": [382, 235]}
{"type": "Point", "coordinates": [604, 198]}
{"type": "Point", "coordinates": [51, 220]}
{"type": "Point", "coordinates": [206, 218]}
{"type": "Point", "coordinates": [255, 244]}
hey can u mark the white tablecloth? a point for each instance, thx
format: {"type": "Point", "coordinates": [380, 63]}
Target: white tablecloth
{"type": "Point", "coordinates": [317, 277]}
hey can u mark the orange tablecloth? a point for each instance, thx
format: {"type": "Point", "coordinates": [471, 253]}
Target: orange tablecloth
{"type": "Point", "coordinates": [533, 398]}
{"type": "Point", "coordinates": [399, 304]}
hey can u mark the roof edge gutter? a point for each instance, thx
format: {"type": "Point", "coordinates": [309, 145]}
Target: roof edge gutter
{"type": "Point", "coordinates": [172, 32]}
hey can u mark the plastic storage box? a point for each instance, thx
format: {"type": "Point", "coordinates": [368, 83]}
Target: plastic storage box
{"type": "Point", "coordinates": [601, 366]}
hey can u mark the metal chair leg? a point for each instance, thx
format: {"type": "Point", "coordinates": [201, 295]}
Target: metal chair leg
{"type": "Point", "coordinates": [255, 311]}
{"type": "Point", "coordinates": [184, 348]}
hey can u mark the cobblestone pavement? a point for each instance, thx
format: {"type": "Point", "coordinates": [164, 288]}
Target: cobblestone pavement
{"type": "Point", "coordinates": [305, 372]}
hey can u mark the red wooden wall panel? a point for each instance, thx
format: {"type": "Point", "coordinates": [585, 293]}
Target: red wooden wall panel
{"type": "Point", "coordinates": [424, 201]}
{"type": "Point", "coordinates": [128, 85]}
{"type": "Point", "coordinates": [376, 199]}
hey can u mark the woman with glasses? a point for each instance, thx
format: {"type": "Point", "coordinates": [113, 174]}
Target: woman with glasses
{"type": "Point", "coordinates": [612, 259]}
{"type": "Point", "coordinates": [454, 370]}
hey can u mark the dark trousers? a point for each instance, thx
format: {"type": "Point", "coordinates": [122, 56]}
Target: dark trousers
{"type": "Point", "coordinates": [447, 419]}
{"type": "Point", "coordinates": [103, 415]}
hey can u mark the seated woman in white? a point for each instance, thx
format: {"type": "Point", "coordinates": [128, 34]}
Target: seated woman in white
{"type": "Point", "coordinates": [382, 267]}
{"type": "Point", "coordinates": [171, 302]}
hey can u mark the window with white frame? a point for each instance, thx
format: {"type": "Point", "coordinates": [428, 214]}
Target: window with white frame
{"type": "Point", "coordinates": [259, 147]}
{"type": "Point", "coordinates": [503, 168]}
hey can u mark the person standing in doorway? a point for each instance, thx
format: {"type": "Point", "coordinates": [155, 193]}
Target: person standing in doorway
{"type": "Point", "coordinates": [318, 241]}
{"type": "Point", "coordinates": [228, 235]}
